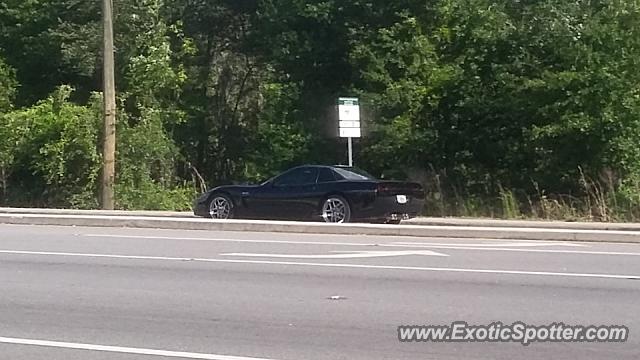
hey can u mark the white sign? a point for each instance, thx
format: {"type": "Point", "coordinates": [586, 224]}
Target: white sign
{"type": "Point", "coordinates": [348, 109]}
{"type": "Point", "coordinates": [349, 124]}
{"type": "Point", "coordinates": [350, 132]}
{"type": "Point", "coordinates": [349, 117]}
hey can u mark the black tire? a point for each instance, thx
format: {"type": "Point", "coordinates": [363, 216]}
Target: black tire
{"type": "Point", "coordinates": [221, 207]}
{"type": "Point", "coordinates": [335, 209]}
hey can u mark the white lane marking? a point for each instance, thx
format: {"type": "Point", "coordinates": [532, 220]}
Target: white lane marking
{"type": "Point", "coordinates": [232, 240]}
{"type": "Point", "coordinates": [511, 243]}
{"type": "Point", "coordinates": [301, 235]}
{"type": "Point", "coordinates": [345, 255]}
{"type": "Point", "coordinates": [502, 244]}
{"type": "Point", "coordinates": [125, 350]}
{"type": "Point", "coordinates": [453, 247]}
{"type": "Point", "coordinates": [355, 266]}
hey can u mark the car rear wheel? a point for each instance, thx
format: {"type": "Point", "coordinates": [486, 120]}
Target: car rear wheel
{"type": "Point", "coordinates": [336, 209]}
{"type": "Point", "coordinates": [221, 207]}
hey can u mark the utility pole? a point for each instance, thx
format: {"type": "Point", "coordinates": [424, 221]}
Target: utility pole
{"type": "Point", "coordinates": [109, 141]}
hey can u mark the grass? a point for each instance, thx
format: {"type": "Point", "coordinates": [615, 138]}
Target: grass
{"type": "Point", "coordinates": [602, 201]}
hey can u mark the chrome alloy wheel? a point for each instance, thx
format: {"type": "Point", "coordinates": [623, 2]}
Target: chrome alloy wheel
{"type": "Point", "coordinates": [335, 210]}
{"type": "Point", "coordinates": [220, 208]}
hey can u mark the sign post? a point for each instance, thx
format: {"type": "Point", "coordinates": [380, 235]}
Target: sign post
{"type": "Point", "coordinates": [349, 121]}
{"type": "Point", "coordinates": [350, 147]}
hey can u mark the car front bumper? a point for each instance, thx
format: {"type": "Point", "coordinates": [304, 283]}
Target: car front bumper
{"type": "Point", "coordinates": [200, 206]}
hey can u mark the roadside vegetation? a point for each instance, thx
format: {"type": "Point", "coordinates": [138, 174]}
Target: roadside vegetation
{"type": "Point", "coordinates": [503, 108]}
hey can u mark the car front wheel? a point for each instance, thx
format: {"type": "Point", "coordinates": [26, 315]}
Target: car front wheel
{"type": "Point", "coordinates": [221, 207]}
{"type": "Point", "coordinates": [336, 209]}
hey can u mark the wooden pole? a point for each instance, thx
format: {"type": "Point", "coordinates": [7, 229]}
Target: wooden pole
{"type": "Point", "coordinates": [109, 141]}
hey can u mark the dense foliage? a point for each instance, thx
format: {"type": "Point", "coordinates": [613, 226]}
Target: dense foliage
{"type": "Point", "coordinates": [499, 108]}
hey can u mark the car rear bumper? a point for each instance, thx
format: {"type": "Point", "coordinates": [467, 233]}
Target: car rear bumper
{"type": "Point", "coordinates": [388, 207]}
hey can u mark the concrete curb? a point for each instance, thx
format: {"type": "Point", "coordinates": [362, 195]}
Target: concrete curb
{"type": "Point", "coordinates": [469, 232]}
{"type": "Point", "coordinates": [427, 221]}
{"type": "Point", "coordinates": [525, 223]}
{"type": "Point", "coordinates": [37, 211]}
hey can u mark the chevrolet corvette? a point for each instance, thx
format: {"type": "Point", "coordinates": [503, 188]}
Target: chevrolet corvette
{"type": "Point", "coordinates": [333, 194]}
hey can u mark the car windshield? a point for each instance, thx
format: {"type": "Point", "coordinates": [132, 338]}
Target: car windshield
{"type": "Point", "coordinates": [351, 173]}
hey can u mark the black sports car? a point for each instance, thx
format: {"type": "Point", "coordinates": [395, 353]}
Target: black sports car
{"type": "Point", "coordinates": [333, 194]}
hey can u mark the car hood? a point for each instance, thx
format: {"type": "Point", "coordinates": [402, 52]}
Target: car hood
{"type": "Point", "coordinates": [234, 187]}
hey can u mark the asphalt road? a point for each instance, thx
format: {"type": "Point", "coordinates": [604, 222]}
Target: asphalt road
{"type": "Point", "coordinates": [99, 293]}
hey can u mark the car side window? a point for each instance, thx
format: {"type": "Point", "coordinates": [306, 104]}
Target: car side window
{"type": "Point", "coordinates": [326, 175]}
{"type": "Point", "coordinates": [301, 176]}
{"type": "Point", "coordinates": [352, 174]}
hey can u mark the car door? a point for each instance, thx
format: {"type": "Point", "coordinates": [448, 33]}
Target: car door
{"type": "Point", "coordinates": [290, 193]}
{"type": "Point", "coordinates": [287, 196]}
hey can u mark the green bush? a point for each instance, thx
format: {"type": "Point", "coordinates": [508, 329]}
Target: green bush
{"type": "Point", "coordinates": [49, 156]}
{"type": "Point", "coordinates": [149, 195]}
{"type": "Point", "coordinates": [145, 166]}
